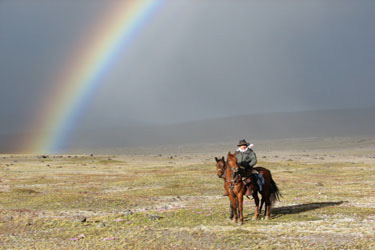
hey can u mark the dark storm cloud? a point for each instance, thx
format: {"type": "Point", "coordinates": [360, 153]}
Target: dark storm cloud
{"type": "Point", "coordinates": [196, 59]}
{"type": "Point", "coordinates": [34, 37]}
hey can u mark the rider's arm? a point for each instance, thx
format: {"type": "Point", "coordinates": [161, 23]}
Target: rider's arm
{"type": "Point", "coordinates": [253, 159]}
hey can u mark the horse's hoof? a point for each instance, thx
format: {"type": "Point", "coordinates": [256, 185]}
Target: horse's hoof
{"type": "Point", "coordinates": [254, 218]}
{"type": "Point", "coordinates": [267, 218]}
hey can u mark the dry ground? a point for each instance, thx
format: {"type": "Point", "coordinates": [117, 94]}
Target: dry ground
{"type": "Point", "coordinates": [161, 202]}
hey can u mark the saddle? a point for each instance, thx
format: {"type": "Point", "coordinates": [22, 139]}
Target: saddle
{"type": "Point", "coordinates": [248, 174]}
{"type": "Point", "coordinates": [252, 175]}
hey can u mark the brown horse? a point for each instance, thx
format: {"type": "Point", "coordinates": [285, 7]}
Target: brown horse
{"type": "Point", "coordinates": [220, 170]}
{"type": "Point", "coordinates": [234, 186]}
{"type": "Point", "coordinates": [270, 192]}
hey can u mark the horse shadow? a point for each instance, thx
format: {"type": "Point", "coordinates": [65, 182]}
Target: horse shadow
{"type": "Point", "coordinates": [300, 208]}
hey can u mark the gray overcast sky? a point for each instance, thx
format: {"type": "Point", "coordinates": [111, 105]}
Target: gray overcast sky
{"type": "Point", "coordinates": [195, 59]}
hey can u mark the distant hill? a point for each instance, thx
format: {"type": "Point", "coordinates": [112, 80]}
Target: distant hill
{"type": "Point", "coordinates": [327, 123]}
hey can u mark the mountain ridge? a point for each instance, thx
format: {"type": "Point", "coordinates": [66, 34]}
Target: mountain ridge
{"type": "Point", "coordinates": [277, 125]}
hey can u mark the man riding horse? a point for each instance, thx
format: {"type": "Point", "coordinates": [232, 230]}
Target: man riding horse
{"type": "Point", "coordinates": [246, 159]}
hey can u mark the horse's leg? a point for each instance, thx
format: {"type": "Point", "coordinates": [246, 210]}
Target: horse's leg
{"type": "Point", "coordinates": [240, 206]}
{"type": "Point", "coordinates": [265, 210]}
{"type": "Point", "coordinates": [226, 188]}
{"type": "Point", "coordinates": [233, 206]}
{"type": "Point", "coordinates": [261, 206]}
{"type": "Point", "coordinates": [268, 205]}
{"type": "Point", "coordinates": [237, 211]}
{"type": "Point", "coordinates": [231, 210]}
{"type": "Point", "coordinates": [256, 200]}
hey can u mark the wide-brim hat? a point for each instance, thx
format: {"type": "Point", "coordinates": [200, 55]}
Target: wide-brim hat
{"type": "Point", "coordinates": [243, 143]}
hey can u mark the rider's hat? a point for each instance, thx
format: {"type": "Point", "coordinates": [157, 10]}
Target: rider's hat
{"type": "Point", "coordinates": [243, 142]}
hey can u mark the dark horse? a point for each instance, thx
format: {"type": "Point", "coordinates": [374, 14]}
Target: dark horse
{"type": "Point", "coordinates": [236, 188]}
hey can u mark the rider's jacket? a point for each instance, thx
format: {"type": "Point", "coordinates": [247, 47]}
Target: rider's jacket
{"type": "Point", "coordinates": [246, 159]}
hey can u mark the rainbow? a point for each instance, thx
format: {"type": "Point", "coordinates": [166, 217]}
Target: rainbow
{"type": "Point", "coordinates": [84, 72]}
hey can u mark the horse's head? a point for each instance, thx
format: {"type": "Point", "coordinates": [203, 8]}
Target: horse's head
{"type": "Point", "coordinates": [220, 166]}
{"type": "Point", "coordinates": [232, 162]}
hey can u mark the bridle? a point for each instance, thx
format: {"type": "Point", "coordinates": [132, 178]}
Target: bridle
{"type": "Point", "coordinates": [236, 177]}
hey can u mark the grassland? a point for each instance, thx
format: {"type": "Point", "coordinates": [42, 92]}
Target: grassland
{"type": "Point", "coordinates": [157, 201]}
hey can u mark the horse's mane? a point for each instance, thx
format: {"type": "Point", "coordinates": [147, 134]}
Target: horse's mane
{"type": "Point", "coordinates": [232, 157]}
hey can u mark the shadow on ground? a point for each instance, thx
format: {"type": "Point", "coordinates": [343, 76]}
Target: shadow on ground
{"type": "Point", "coordinates": [300, 208]}
{"type": "Point", "coordinates": [296, 209]}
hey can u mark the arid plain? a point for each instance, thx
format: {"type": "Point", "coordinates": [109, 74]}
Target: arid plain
{"type": "Point", "coordinates": [170, 198]}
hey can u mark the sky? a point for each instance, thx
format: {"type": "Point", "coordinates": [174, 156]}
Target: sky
{"type": "Point", "coordinates": [193, 60]}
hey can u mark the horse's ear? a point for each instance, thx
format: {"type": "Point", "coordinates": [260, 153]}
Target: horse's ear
{"type": "Point", "coordinates": [223, 158]}
{"type": "Point", "coordinates": [229, 154]}
{"type": "Point", "coordinates": [235, 153]}
{"type": "Point", "coordinates": [216, 159]}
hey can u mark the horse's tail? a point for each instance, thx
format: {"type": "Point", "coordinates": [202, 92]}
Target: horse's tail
{"type": "Point", "coordinates": [275, 192]}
